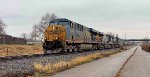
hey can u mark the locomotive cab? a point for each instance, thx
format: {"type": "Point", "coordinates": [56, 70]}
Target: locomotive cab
{"type": "Point", "coordinates": [55, 35]}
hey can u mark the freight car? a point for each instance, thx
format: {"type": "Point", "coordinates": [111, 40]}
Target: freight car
{"type": "Point", "coordinates": [65, 35]}
{"type": "Point", "coordinates": [7, 39]}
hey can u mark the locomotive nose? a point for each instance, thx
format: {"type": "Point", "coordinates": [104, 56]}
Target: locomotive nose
{"type": "Point", "coordinates": [54, 37]}
{"type": "Point", "coordinates": [55, 32]}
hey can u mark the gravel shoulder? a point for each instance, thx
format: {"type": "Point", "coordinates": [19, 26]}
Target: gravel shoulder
{"type": "Point", "coordinates": [138, 65]}
{"type": "Point", "coordinates": [25, 65]}
{"type": "Point", "coordinates": [105, 67]}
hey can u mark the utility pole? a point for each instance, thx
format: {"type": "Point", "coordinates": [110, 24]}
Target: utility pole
{"type": "Point", "coordinates": [125, 41]}
{"type": "Point", "coordinates": [147, 37]}
{"type": "Point", "coordinates": [125, 38]}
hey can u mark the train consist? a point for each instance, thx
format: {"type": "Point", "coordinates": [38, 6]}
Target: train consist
{"type": "Point", "coordinates": [7, 39]}
{"type": "Point", "coordinates": [63, 35]}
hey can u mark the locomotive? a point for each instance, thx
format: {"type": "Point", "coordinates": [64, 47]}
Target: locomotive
{"type": "Point", "coordinates": [64, 35]}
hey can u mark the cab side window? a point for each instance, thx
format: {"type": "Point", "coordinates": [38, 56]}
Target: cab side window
{"type": "Point", "coordinates": [78, 26]}
{"type": "Point", "coordinates": [75, 26]}
{"type": "Point", "coordinates": [71, 24]}
{"type": "Point", "coordinates": [82, 28]}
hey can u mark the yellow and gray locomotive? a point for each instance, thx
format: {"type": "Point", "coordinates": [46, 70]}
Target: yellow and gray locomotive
{"type": "Point", "coordinates": [63, 35]}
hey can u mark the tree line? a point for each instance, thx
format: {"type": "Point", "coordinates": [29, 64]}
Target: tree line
{"type": "Point", "coordinates": [8, 39]}
{"type": "Point", "coordinates": [37, 33]}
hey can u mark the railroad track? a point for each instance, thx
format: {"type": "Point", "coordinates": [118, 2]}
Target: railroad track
{"type": "Point", "coordinates": [24, 64]}
{"type": "Point", "coordinates": [29, 56]}
{"type": "Point", "coordinates": [39, 55]}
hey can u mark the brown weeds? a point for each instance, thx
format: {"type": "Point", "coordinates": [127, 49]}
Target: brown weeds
{"type": "Point", "coordinates": [17, 50]}
{"type": "Point", "coordinates": [146, 47]}
{"type": "Point", "coordinates": [63, 65]}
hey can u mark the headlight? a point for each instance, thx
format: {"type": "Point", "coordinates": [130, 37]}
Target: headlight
{"type": "Point", "coordinates": [53, 27]}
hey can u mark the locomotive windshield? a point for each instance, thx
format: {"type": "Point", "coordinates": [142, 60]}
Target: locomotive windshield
{"type": "Point", "coordinates": [53, 23]}
{"type": "Point", "coordinates": [63, 23]}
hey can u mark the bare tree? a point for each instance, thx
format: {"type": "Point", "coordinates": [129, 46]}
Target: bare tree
{"type": "Point", "coordinates": [38, 30]}
{"type": "Point", "coordinates": [24, 35]}
{"type": "Point", "coordinates": [2, 27]}
{"type": "Point", "coordinates": [45, 21]}
{"type": "Point", "coordinates": [34, 33]}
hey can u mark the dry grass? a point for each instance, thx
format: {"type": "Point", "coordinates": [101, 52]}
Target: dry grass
{"type": "Point", "coordinates": [17, 50]}
{"type": "Point", "coordinates": [146, 47]}
{"type": "Point", "coordinates": [63, 65]}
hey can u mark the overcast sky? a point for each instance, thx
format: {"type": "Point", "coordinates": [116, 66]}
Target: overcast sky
{"type": "Point", "coordinates": [117, 16]}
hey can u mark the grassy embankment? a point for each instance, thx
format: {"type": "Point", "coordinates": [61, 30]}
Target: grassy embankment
{"type": "Point", "coordinates": [50, 69]}
{"type": "Point", "coordinates": [146, 47]}
{"type": "Point", "coordinates": [17, 50]}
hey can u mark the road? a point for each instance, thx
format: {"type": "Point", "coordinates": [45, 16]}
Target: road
{"type": "Point", "coordinates": [138, 65]}
{"type": "Point", "coordinates": [105, 67]}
